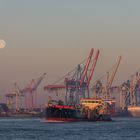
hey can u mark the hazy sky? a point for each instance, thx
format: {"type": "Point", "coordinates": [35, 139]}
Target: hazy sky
{"type": "Point", "coordinates": [53, 36]}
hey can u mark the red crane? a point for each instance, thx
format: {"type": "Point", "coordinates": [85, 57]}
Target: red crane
{"type": "Point", "coordinates": [27, 92]}
{"type": "Point", "coordinates": [79, 82]}
{"type": "Point", "coordinates": [111, 78]}
{"type": "Point", "coordinates": [30, 92]}
{"type": "Point", "coordinates": [86, 76]}
{"type": "Point", "coordinates": [86, 67]}
{"type": "Point", "coordinates": [35, 86]}
{"type": "Point", "coordinates": [93, 67]}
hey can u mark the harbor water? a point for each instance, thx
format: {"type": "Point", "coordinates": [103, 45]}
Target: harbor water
{"type": "Point", "coordinates": [34, 129]}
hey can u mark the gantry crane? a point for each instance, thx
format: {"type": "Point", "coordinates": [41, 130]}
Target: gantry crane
{"type": "Point", "coordinates": [10, 97]}
{"type": "Point", "coordinates": [14, 98]}
{"type": "Point", "coordinates": [30, 92]}
{"type": "Point", "coordinates": [34, 88]}
{"type": "Point", "coordinates": [104, 90]}
{"type": "Point", "coordinates": [130, 92]}
{"type": "Point", "coordinates": [76, 85]}
{"type": "Point", "coordinates": [110, 79]}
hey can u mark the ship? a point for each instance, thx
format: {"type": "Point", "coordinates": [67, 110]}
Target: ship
{"type": "Point", "coordinates": [134, 111]}
{"type": "Point", "coordinates": [89, 109]}
{"type": "Point", "coordinates": [56, 111]}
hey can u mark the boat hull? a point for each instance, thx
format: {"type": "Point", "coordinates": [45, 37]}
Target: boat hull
{"type": "Point", "coordinates": [62, 114]}
{"type": "Point", "coordinates": [69, 114]}
{"type": "Point", "coordinates": [51, 120]}
{"type": "Point", "coordinates": [134, 111]}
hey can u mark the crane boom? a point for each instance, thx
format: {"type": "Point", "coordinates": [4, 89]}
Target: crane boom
{"type": "Point", "coordinates": [38, 81]}
{"type": "Point", "coordinates": [86, 67]}
{"type": "Point", "coordinates": [93, 67]}
{"type": "Point", "coordinates": [114, 73]}
{"type": "Point", "coordinates": [30, 92]}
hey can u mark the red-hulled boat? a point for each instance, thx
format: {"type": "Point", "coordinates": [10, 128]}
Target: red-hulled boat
{"type": "Point", "coordinates": [61, 113]}
{"type": "Point", "coordinates": [90, 110]}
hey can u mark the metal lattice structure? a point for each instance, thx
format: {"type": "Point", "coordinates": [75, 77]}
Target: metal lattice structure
{"type": "Point", "coordinates": [130, 92]}
{"type": "Point", "coordinates": [77, 84]}
{"type": "Point", "coordinates": [105, 91]}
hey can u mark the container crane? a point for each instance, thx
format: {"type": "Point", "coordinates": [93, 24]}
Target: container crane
{"type": "Point", "coordinates": [36, 84]}
{"type": "Point", "coordinates": [86, 67]}
{"type": "Point", "coordinates": [79, 82]}
{"type": "Point", "coordinates": [86, 76]}
{"type": "Point", "coordinates": [18, 97]}
{"type": "Point", "coordinates": [93, 67]}
{"type": "Point", "coordinates": [129, 94]}
{"type": "Point", "coordinates": [30, 92]}
{"type": "Point", "coordinates": [14, 98]}
{"type": "Point", "coordinates": [10, 97]}
{"type": "Point", "coordinates": [111, 78]}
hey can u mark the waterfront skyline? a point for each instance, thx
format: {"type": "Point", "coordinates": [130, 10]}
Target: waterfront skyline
{"type": "Point", "coordinates": [54, 36]}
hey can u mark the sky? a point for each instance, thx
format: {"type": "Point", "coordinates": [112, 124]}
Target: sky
{"type": "Point", "coordinates": [53, 36]}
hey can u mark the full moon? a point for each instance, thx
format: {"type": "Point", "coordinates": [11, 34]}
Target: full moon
{"type": "Point", "coordinates": [2, 44]}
